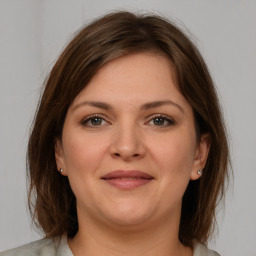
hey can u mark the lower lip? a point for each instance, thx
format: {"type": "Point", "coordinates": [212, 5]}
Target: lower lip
{"type": "Point", "coordinates": [127, 183]}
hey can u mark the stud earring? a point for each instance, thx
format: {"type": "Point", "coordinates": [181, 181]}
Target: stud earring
{"type": "Point", "coordinates": [61, 170]}
{"type": "Point", "coordinates": [199, 172]}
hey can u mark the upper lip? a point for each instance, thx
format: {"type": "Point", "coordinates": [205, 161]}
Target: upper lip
{"type": "Point", "coordinates": [126, 174]}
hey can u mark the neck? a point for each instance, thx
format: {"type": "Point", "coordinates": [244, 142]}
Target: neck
{"type": "Point", "coordinates": [159, 238]}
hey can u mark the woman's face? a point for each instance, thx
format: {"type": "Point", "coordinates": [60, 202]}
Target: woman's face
{"type": "Point", "coordinates": [129, 144]}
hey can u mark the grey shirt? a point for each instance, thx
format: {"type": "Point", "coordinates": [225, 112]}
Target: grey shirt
{"type": "Point", "coordinates": [59, 247]}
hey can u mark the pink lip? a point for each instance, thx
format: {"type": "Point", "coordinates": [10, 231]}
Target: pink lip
{"type": "Point", "coordinates": [127, 179]}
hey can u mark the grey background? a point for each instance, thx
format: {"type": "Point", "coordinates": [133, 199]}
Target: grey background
{"type": "Point", "coordinates": [32, 34]}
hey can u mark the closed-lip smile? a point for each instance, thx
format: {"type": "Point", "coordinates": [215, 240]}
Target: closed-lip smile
{"type": "Point", "coordinates": [127, 179]}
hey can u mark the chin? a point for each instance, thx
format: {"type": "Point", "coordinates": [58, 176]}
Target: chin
{"type": "Point", "coordinates": [128, 215]}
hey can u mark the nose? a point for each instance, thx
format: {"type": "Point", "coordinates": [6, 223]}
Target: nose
{"type": "Point", "coordinates": [127, 143]}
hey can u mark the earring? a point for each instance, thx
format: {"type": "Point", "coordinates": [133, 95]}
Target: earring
{"type": "Point", "coordinates": [61, 170]}
{"type": "Point", "coordinates": [199, 172]}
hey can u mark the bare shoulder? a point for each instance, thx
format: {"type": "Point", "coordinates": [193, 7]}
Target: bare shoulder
{"type": "Point", "coordinates": [41, 247]}
{"type": "Point", "coordinates": [202, 250]}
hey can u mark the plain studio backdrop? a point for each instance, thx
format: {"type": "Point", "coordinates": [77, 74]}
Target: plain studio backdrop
{"type": "Point", "coordinates": [34, 32]}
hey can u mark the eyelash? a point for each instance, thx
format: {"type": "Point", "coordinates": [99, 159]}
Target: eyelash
{"type": "Point", "coordinates": [85, 121]}
{"type": "Point", "coordinates": [164, 118]}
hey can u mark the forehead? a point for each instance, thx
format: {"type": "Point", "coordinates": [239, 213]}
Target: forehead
{"type": "Point", "coordinates": [135, 76]}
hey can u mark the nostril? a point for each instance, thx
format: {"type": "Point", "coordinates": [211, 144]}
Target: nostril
{"type": "Point", "coordinates": [123, 155]}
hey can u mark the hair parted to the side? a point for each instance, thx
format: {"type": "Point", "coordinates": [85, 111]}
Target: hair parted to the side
{"type": "Point", "coordinates": [52, 202]}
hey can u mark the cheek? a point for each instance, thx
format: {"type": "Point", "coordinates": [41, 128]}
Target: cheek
{"type": "Point", "coordinates": [174, 158]}
{"type": "Point", "coordinates": [175, 154]}
{"type": "Point", "coordinates": [83, 156]}
{"type": "Point", "coordinates": [83, 153]}
{"type": "Point", "coordinates": [176, 163]}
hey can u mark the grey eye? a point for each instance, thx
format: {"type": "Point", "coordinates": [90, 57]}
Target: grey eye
{"type": "Point", "coordinates": [95, 121]}
{"type": "Point", "coordinates": [159, 121]}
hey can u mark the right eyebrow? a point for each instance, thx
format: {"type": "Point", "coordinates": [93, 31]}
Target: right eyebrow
{"type": "Point", "coordinates": [159, 103]}
{"type": "Point", "coordinates": [97, 104]}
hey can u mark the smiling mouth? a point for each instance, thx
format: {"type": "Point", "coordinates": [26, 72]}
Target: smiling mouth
{"type": "Point", "coordinates": [127, 180]}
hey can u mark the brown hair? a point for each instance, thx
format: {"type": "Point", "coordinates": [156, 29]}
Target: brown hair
{"type": "Point", "coordinates": [52, 202]}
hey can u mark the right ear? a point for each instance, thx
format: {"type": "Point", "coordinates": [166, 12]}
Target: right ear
{"type": "Point", "coordinates": [59, 156]}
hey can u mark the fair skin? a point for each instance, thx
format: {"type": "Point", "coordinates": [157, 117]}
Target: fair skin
{"type": "Point", "coordinates": [131, 118]}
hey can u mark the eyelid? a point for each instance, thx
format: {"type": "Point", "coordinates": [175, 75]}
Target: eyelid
{"type": "Point", "coordinates": [91, 116]}
{"type": "Point", "coordinates": [169, 119]}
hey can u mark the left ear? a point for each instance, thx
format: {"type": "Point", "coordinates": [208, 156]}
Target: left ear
{"type": "Point", "coordinates": [201, 154]}
{"type": "Point", "coordinates": [59, 157]}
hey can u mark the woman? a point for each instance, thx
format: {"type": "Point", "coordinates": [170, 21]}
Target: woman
{"type": "Point", "coordinates": [128, 153]}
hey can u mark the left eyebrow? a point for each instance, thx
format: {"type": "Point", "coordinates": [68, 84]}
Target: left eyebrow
{"type": "Point", "coordinates": [97, 104]}
{"type": "Point", "coordinates": [155, 104]}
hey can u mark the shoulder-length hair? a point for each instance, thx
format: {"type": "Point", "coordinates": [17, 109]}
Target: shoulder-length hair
{"type": "Point", "coordinates": [52, 202]}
